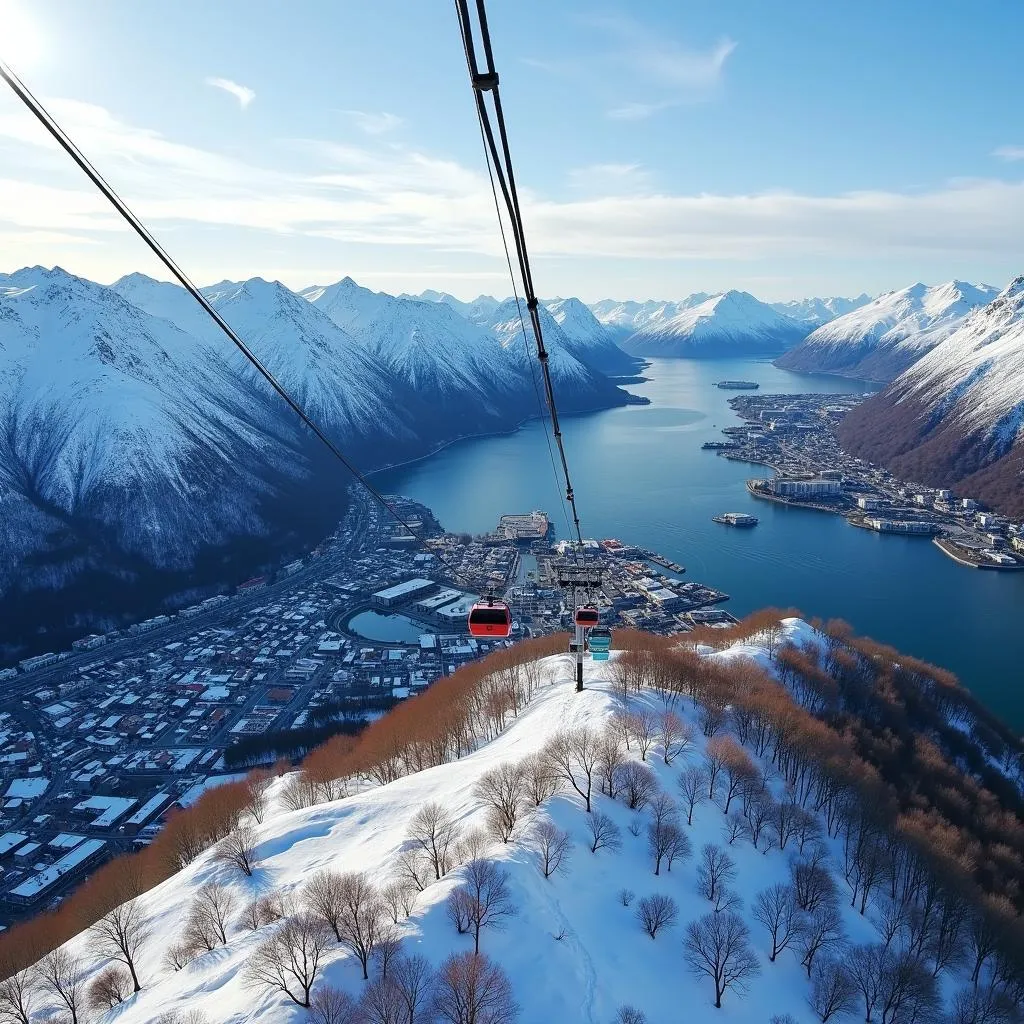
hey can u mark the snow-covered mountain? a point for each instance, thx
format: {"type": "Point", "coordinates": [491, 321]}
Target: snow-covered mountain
{"type": "Point", "coordinates": [880, 339]}
{"type": "Point", "coordinates": [626, 318]}
{"type": "Point", "coordinates": [477, 310]}
{"type": "Point", "coordinates": [136, 440]}
{"type": "Point", "coordinates": [731, 323]}
{"type": "Point", "coordinates": [955, 418]}
{"type": "Point", "coordinates": [593, 342]}
{"type": "Point", "coordinates": [818, 311]}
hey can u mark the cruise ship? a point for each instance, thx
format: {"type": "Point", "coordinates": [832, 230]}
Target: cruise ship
{"type": "Point", "coordinates": [735, 519]}
{"type": "Point", "coordinates": [738, 385]}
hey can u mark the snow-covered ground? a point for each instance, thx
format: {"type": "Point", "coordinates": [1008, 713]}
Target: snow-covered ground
{"type": "Point", "coordinates": [573, 952]}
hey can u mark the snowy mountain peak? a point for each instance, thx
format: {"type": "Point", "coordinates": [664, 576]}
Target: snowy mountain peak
{"type": "Point", "coordinates": [882, 338]}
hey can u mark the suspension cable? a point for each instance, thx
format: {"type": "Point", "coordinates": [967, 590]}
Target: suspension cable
{"type": "Point", "coordinates": [47, 120]}
{"type": "Point", "coordinates": [486, 82]}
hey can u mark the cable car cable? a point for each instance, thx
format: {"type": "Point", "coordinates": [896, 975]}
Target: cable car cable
{"type": "Point", "coordinates": [487, 82]}
{"type": "Point", "coordinates": [522, 325]}
{"type": "Point", "coordinates": [41, 114]}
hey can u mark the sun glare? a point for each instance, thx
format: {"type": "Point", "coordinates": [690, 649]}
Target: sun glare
{"type": "Point", "coordinates": [21, 39]}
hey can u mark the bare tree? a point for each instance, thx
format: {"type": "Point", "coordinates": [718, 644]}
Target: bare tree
{"type": "Point", "coordinates": [604, 833]}
{"type": "Point", "coordinates": [473, 844]}
{"type": "Point", "coordinates": [388, 948]}
{"type": "Point", "coordinates": [775, 908]}
{"type": "Point", "coordinates": [865, 964]}
{"type": "Point", "coordinates": [657, 912]}
{"type": "Point", "coordinates": [503, 791]}
{"type": "Point", "coordinates": [416, 868]}
{"type": "Point", "coordinates": [256, 785]}
{"type": "Point", "coordinates": [626, 896]}
{"type": "Point", "coordinates": [611, 756]}
{"type": "Point", "coordinates": [718, 946]}
{"type": "Point", "coordinates": [734, 827]}
{"type": "Point", "coordinates": [262, 911]}
{"type": "Point", "coordinates": [458, 909]}
{"type": "Point", "coordinates": [182, 1017]}
{"type": "Point", "coordinates": [433, 830]}
{"type": "Point", "coordinates": [399, 898]}
{"type": "Point", "coordinates": [473, 990]}
{"type": "Point", "coordinates": [666, 840]}
{"type": "Point", "coordinates": [758, 814]}
{"type": "Point", "coordinates": [812, 881]}
{"type": "Point", "coordinates": [674, 735]}
{"type": "Point", "coordinates": [17, 994]}
{"type": "Point", "coordinates": [541, 782]}
{"type": "Point", "coordinates": [323, 896]}
{"type": "Point", "coordinates": [833, 993]}
{"type": "Point", "coordinates": [908, 991]}
{"type": "Point", "coordinates": [330, 1005]}
{"type": "Point", "coordinates": [289, 960]}
{"type": "Point", "coordinates": [820, 931]}
{"type": "Point", "coordinates": [361, 915]}
{"type": "Point", "coordinates": [644, 726]}
{"type": "Point", "coordinates": [120, 935]}
{"type": "Point", "coordinates": [677, 846]}
{"type": "Point", "coordinates": [982, 1005]}
{"type": "Point", "coordinates": [573, 756]}
{"type": "Point", "coordinates": [64, 976]}
{"type": "Point", "coordinates": [111, 986]}
{"type": "Point", "coordinates": [207, 922]}
{"type": "Point", "coordinates": [553, 847]}
{"type": "Point", "coordinates": [413, 978]}
{"type": "Point", "coordinates": [239, 849]}
{"type": "Point", "coordinates": [486, 898]}
{"type": "Point", "coordinates": [381, 1003]}
{"type": "Point", "coordinates": [716, 871]}
{"type": "Point", "coordinates": [180, 954]}
{"type": "Point", "coordinates": [692, 784]}
{"type": "Point", "coordinates": [636, 783]}
{"type": "Point", "coordinates": [629, 1015]}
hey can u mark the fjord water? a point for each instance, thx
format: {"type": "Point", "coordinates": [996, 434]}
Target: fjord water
{"type": "Point", "coordinates": [640, 475]}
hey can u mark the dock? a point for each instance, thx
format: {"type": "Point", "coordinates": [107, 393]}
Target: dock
{"type": "Point", "coordinates": [664, 562]}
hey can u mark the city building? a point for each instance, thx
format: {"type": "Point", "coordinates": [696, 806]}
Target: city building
{"type": "Point", "coordinates": [868, 504]}
{"type": "Point", "coordinates": [71, 867]}
{"type": "Point", "coordinates": [814, 488]}
{"type": "Point", "coordinates": [402, 592]}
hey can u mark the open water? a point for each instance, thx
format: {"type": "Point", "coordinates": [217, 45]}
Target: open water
{"type": "Point", "coordinates": [640, 475]}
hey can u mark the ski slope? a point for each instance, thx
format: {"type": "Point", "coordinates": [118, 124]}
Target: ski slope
{"type": "Point", "coordinates": [573, 952]}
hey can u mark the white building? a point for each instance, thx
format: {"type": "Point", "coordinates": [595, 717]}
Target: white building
{"type": "Point", "coordinates": [402, 592]}
{"type": "Point", "coordinates": [816, 488]}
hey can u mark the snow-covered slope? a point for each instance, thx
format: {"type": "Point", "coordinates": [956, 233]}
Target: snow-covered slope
{"type": "Point", "coordinates": [955, 418]}
{"type": "Point", "coordinates": [593, 342]}
{"type": "Point", "coordinates": [818, 311]}
{"type": "Point", "coordinates": [880, 339]}
{"type": "Point", "coordinates": [731, 323]}
{"type": "Point", "coordinates": [572, 951]}
{"type": "Point", "coordinates": [477, 310]}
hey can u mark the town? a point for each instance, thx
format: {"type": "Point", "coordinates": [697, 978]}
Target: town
{"type": "Point", "coordinates": [102, 742]}
{"type": "Point", "coordinates": [795, 435]}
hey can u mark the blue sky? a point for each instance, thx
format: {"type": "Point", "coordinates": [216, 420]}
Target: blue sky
{"type": "Point", "coordinates": [663, 148]}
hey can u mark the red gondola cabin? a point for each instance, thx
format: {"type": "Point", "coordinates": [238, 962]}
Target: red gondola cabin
{"type": "Point", "coordinates": [490, 619]}
{"type": "Point", "coordinates": [587, 616]}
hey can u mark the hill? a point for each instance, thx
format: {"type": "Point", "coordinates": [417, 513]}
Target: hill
{"type": "Point", "coordinates": [880, 339]}
{"type": "Point", "coordinates": [818, 311]}
{"type": "Point", "coordinates": [954, 418]}
{"type": "Point", "coordinates": [732, 323]}
{"type": "Point", "coordinates": [462, 802]}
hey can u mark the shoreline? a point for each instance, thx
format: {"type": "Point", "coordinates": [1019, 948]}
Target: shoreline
{"type": "Point", "coordinates": [944, 544]}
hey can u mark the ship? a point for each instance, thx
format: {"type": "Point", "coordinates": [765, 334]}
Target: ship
{"type": "Point", "coordinates": [738, 385]}
{"type": "Point", "coordinates": [735, 519]}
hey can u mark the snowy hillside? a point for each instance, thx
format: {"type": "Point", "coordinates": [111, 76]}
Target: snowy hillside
{"type": "Point", "coordinates": [586, 905]}
{"type": "Point", "coordinates": [880, 339]}
{"type": "Point", "coordinates": [955, 418]}
{"type": "Point", "coordinates": [731, 323]}
{"type": "Point", "coordinates": [477, 311]}
{"type": "Point", "coordinates": [817, 311]}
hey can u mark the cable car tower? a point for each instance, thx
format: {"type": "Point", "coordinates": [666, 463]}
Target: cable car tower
{"type": "Point", "coordinates": [584, 583]}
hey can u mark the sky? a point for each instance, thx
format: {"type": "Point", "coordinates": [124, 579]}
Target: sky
{"type": "Point", "coordinates": [661, 147]}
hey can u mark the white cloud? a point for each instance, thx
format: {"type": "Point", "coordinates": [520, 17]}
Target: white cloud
{"type": "Point", "coordinates": [374, 124]}
{"type": "Point", "coordinates": [390, 198]}
{"type": "Point", "coordinates": [1009, 152]}
{"type": "Point", "coordinates": [242, 93]}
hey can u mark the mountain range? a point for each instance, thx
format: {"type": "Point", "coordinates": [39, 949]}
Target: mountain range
{"type": "Point", "coordinates": [954, 418]}
{"type": "Point", "coordinates": [141, 456]}
{"type": "Point", "coordinates": [879, 339]}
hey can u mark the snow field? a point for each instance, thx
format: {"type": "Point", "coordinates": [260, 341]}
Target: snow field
{"type": "Point", "coordinates": [572, 952]}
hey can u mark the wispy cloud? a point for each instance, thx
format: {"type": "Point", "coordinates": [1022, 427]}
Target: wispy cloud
{"type": "Point", "coordinates": [1009, 152]}
{"type": "Point", "coordinates": [374, 124]}
{"type": "Point", "coordinates": [242, 93]}
{"type": "Point", "coordinates": [378, 194]}
{"type": "Point", "coordinates": [638, 111]}
{"type": "Point", "coordinates": [605, 179]}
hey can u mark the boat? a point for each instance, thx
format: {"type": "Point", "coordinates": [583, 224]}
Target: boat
{"type": "Point", "coordinates": [735, 519]}
{"type": "Point", "coordinates": [719, 446]}
{"type": "Point", "coordinates": [738, 385]}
